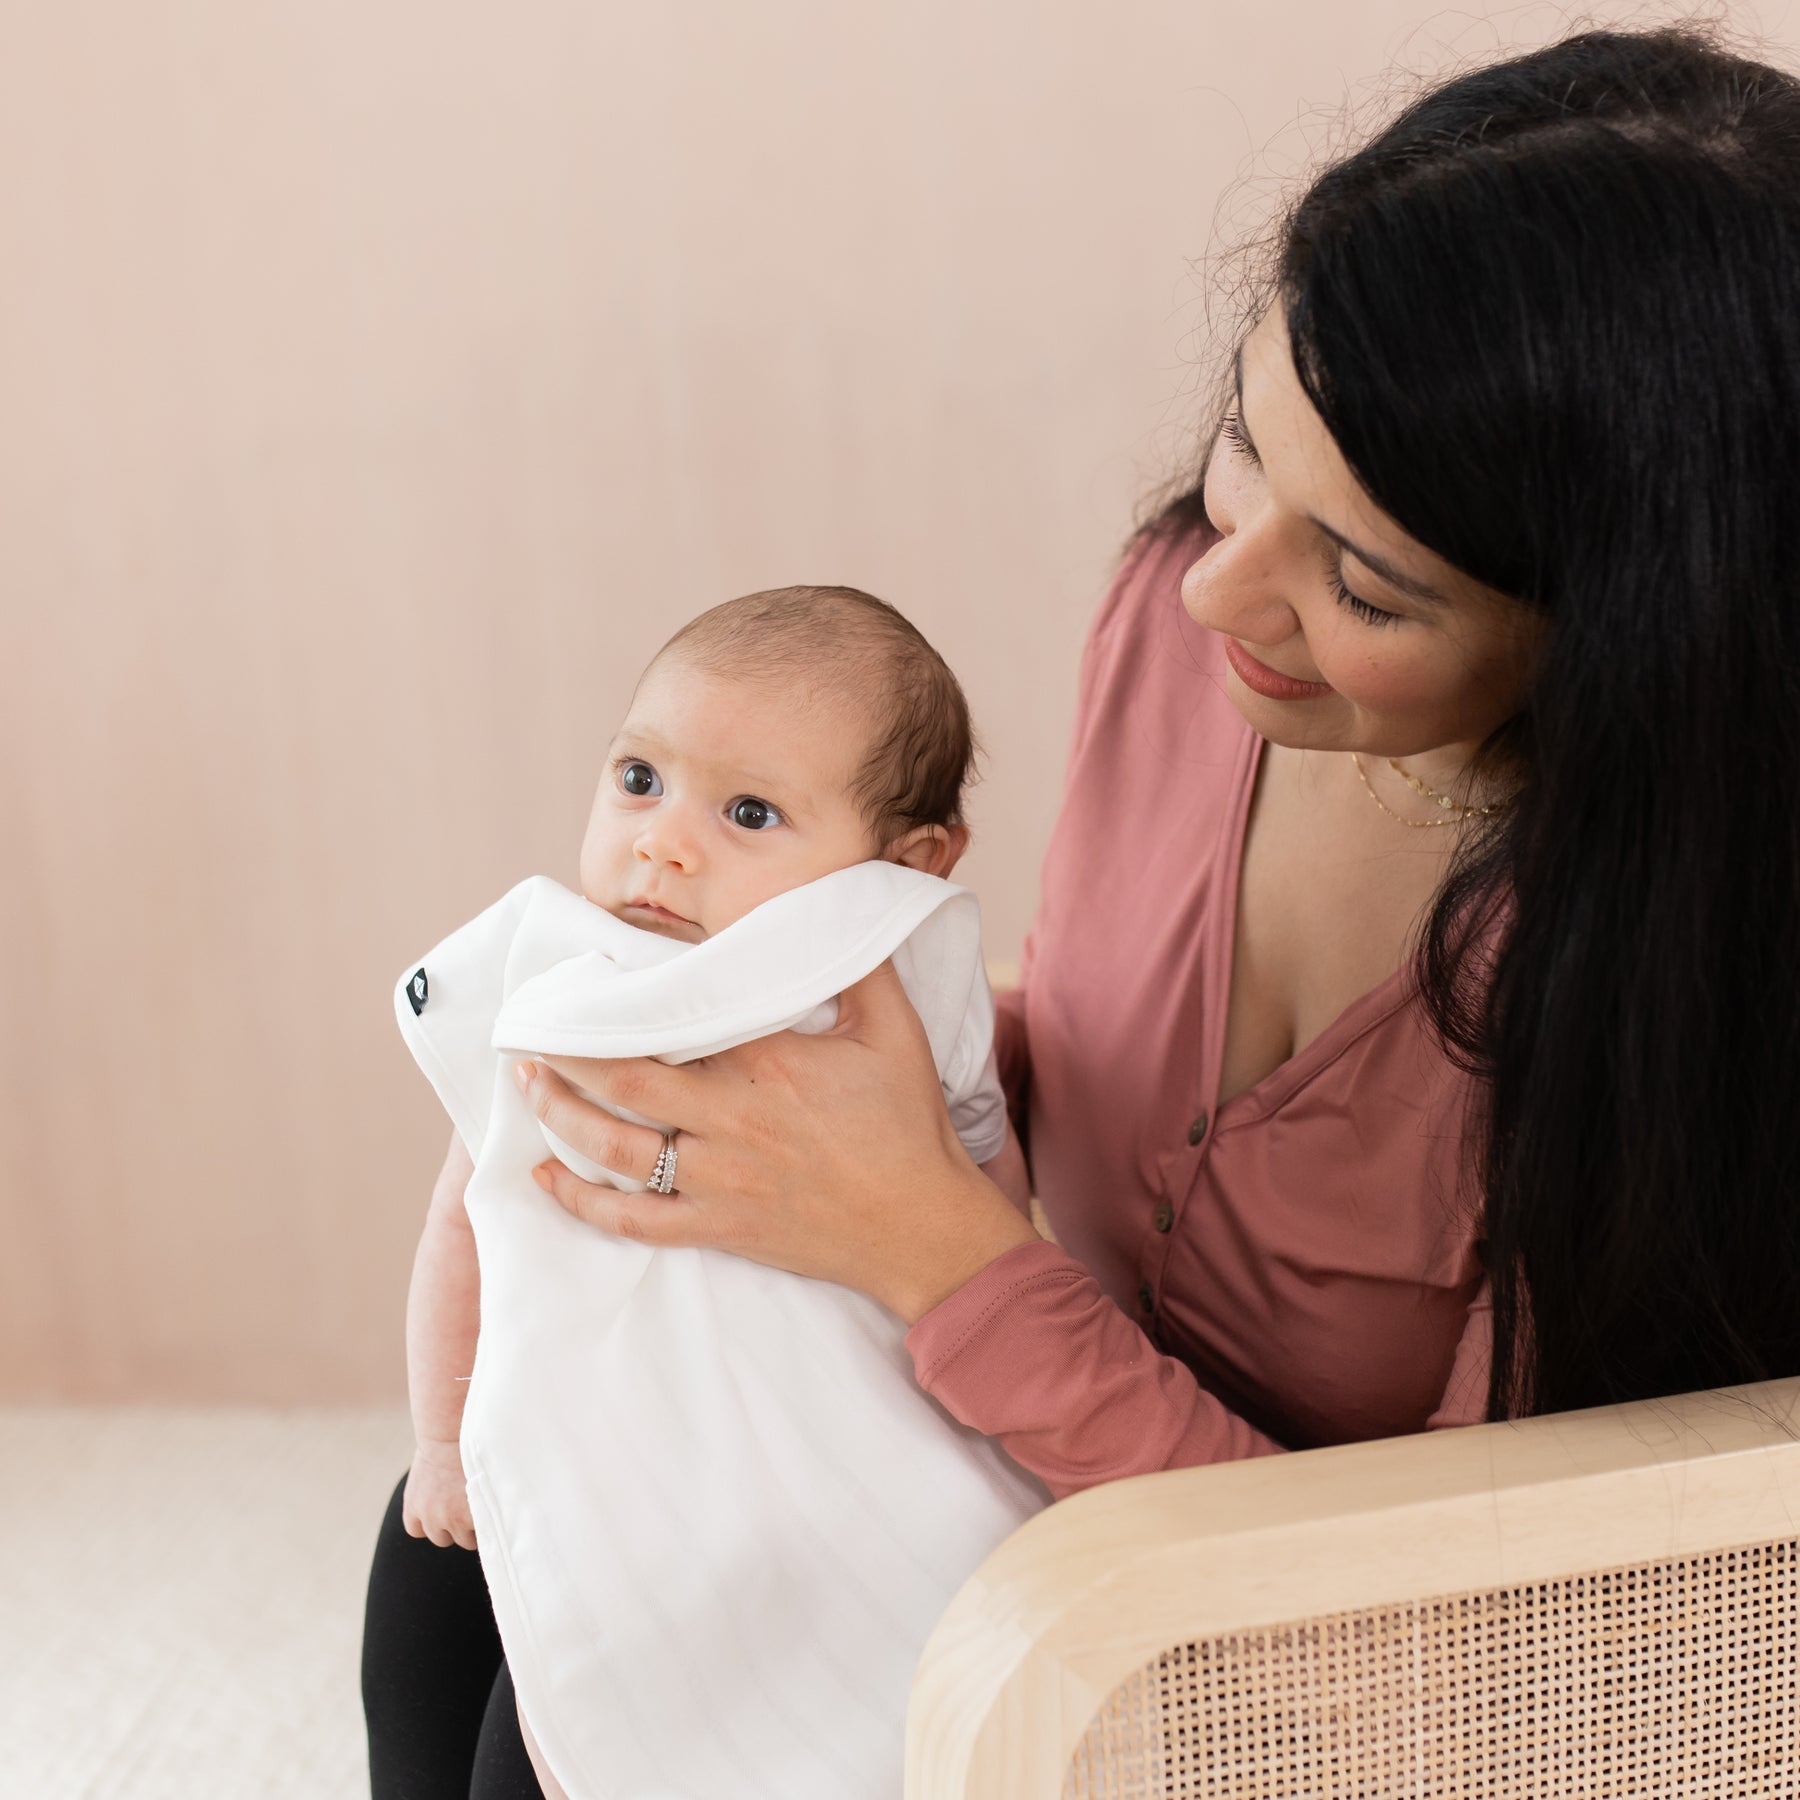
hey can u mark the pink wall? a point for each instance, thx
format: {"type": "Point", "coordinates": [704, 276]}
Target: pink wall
{"type": "Point", "coordinates": [381, 384]}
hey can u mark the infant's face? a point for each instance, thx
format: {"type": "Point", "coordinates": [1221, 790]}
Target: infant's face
{"type": "Point", "coordinates": [716, 796]}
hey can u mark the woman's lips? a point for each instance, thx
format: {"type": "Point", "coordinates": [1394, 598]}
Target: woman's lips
{"type": "Point", "coordinates": [1270, 683]}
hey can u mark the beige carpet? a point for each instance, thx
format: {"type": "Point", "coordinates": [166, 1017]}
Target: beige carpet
{"type": "Point", "coordinates": [181, 1600]}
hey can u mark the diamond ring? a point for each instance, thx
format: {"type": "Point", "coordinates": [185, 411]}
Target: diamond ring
{"type": "Point", "coordinates": [662, 1177]}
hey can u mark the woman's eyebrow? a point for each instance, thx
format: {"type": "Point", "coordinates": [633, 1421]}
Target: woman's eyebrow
{"type": "Point", "coordinates": [1395, 578]}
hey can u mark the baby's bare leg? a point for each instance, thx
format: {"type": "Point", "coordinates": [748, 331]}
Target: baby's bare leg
{"type": "Point", "coordinates": [548, 1782]}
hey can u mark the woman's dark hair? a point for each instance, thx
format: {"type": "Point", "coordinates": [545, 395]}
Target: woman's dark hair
{"type": "Point", "coordinates": [1551, 317]}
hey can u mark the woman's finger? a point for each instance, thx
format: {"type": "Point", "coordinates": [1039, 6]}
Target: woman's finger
{"type": "Point", "coordinates": [613, 1143]}
{"type": "Point", "coordinates": [647, 1218]}
{"type": "Point", "coordinates": [638, 1084]}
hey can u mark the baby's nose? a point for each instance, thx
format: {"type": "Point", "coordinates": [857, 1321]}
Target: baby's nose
{"type": "Point", "coordinates": [664, 839]}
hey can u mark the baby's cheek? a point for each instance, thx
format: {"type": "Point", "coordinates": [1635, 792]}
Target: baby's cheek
{"type": "Point", "coordinates": [736, 890]}
{"type": "Point", "coordinates": [776, 869]}
{"type": "Point", "coordinates": [597, 869]}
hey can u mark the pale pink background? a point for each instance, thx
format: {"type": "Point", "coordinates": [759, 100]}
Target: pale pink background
{"type": "Point", "coordinates": [379, 383]}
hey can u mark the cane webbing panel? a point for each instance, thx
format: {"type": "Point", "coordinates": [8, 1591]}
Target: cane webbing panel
{"type": "Point", "coordinates": [1670, 1678]}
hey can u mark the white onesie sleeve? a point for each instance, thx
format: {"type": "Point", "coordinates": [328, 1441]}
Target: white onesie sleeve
{"type": "Point", "coordinates": [972, 1089]}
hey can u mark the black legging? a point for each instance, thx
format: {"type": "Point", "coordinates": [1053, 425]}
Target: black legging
{"type": "Point", "coordinates": [437, 1694]}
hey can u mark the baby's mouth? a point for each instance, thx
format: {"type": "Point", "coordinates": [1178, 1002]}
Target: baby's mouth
{"type": "Point", "coordinates": [662, 912]}
{"type": "Point", "coordinates": [648, 913]}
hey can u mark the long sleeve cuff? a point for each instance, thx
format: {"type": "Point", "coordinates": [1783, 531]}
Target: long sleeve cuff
{"type": "Point", "coordinates": [1031, 1351]}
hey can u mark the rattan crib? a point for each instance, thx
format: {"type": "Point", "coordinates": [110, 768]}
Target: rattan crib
{"type": "Point", "coordinates": [1600, 1605]}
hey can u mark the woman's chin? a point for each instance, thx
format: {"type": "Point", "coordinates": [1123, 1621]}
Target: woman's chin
{"type": "Point", "coordinates": [1294, 724]}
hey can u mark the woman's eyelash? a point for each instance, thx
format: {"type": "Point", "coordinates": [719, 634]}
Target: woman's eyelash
{"type": "Point", "coordinates": [1371, 615]}
{"type": "Point", "coordinates": [1234, 432]}
{"type": "Point", "coordinates": [1233, 429]}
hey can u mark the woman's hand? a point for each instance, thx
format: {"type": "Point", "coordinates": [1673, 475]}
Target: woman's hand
{"type": "Point", "coordinates": [830, 1155]}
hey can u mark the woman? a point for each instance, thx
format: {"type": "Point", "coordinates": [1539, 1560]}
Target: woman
{"type": "Point", "coordinates": [1408, 1028]}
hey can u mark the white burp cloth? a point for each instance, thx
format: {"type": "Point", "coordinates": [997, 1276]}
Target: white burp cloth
{"type": "Point", "coordinates": [717, 1516]}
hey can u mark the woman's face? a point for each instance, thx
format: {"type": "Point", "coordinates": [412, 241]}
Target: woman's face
{"type": "Point", "coordinates": [1411, 657]}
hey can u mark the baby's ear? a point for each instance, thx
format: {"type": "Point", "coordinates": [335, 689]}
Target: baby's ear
{"type": "Point", "coordinates": [932, 849]}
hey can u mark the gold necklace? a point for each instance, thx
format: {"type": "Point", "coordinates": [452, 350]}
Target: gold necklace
{"type": "Point", "coordinates": [1457, 809]}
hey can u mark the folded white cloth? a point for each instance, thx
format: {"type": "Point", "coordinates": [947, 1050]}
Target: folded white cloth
{"type": "Point", "coordinates": [717, 1515]}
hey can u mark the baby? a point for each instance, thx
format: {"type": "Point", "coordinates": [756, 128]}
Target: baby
{"type": "Point", "coordinates": [773, 741]}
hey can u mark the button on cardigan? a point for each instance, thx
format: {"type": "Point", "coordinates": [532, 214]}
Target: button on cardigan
{"type": "Point", "coordinates": [1293, 1266]}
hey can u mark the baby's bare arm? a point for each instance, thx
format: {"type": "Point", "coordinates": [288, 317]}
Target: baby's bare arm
{"type": "Point", "coordinates": [443, 1317]}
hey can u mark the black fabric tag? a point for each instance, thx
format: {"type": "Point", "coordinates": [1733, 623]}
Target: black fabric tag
{"type": "Point", "coordinates": [417, 991]}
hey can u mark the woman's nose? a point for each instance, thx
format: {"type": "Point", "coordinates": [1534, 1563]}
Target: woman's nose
{"type": "Point", "coordinates": [1241, 586]}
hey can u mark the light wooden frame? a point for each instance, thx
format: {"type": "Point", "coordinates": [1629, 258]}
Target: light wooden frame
{"type": "Point", "coordinates": [1100, 1585]}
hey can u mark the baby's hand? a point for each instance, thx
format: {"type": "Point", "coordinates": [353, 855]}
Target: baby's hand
{"type": "Point", "coordinates": [436, 1502]}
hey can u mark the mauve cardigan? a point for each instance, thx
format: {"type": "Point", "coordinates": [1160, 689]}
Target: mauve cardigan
{"type": "Point", "coordinates": [1293, 1267]}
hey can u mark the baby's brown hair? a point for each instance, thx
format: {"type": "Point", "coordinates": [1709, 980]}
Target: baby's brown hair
{"type": "Point", "coordinates": [924, 748]}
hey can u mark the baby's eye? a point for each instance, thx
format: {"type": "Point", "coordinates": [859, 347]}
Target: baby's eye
{"type": "Point", "coordinates": [753, 814]}
{"type": "Point", "coordinates": [639, 778]}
